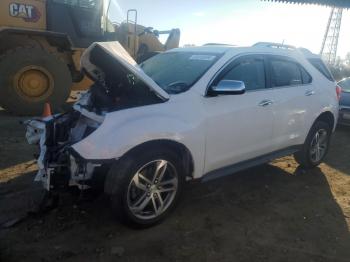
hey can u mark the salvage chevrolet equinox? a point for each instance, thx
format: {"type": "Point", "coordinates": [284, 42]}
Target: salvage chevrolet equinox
{"type": "Point", "coordinates": [189, 113]}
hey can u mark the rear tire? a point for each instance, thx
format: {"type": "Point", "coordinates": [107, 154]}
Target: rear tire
{"type": "Point", "coordinates": [29, 77]}
{"type": "Point", "coordinates": [135, 192]}
{"type": "Point", "coordinates": [316, 145]}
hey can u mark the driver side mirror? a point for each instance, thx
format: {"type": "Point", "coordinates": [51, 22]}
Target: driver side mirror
{"type": "Point", "coordinates": [228, 87]}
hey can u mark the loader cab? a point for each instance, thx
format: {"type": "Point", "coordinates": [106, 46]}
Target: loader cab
{"type": "Point", "coordinates": [81, 20]}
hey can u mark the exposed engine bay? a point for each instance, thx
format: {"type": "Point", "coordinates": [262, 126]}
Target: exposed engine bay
{"type": "Point", "coordinates": [117, 86]}
{"type": "Point", "coordinates": [112, 91]}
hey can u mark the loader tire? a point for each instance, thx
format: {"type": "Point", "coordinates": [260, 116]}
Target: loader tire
{"type": "Point", "coordinates": [31, 76]}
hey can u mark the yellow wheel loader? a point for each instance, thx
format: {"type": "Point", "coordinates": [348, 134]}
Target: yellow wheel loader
{"type": "Point", "coordinates": [41, 42]}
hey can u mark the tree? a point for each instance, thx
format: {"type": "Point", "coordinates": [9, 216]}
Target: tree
{"type": "Point", "coordinates": [341, 69]}
{"type": "Point", "coordinates": [347, 59]}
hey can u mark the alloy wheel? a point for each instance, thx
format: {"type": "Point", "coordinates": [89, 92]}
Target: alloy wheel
{"type": "Point", "coordinates": [319, 144]}
{"type": "Point", "coordinates": [152, 189]}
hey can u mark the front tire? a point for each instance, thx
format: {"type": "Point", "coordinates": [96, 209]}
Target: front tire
{"type": "Point", "coordinates": [145, 186]}
{"type": "Point", "coordinates": [316, 145]}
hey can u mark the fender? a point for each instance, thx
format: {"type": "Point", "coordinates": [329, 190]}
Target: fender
{"type": "Point", "coordinates": [55, 39]}
{"type": "Point", "coordinates": [328, 107]}
{"type": "Point", "coordinates": [120, 132]}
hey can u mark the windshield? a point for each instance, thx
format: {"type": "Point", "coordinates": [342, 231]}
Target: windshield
{"type": "Point", "coordinates": [345, 85]}
{"type": "Point", "coordinates": [176, 72]}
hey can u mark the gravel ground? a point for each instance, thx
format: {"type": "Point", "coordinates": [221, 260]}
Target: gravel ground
{"type": "Point", "coordinates": [274, 212]}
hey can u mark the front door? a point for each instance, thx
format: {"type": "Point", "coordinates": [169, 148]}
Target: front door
{"type": "Point", "coordinates": [239, 127]}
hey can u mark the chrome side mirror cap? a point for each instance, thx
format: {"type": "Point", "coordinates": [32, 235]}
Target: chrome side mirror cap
{"type": "Point", "coordinates": [228, 87]}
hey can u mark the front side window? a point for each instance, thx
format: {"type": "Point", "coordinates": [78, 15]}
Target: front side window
{"type": "Point", "coordinates": [251, 72]}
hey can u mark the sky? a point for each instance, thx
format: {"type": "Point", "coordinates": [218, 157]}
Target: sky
{"type": "Point", "coordinates": [238, 22]}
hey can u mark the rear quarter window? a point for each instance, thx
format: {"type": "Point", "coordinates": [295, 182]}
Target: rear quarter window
{"type": "Point", "coordinates": [321, 67]}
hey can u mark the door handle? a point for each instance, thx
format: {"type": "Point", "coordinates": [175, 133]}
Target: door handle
{"type": "Point", "coordinates": [309, 92]}
{"type": "Point", "coordinates": [266, 102]}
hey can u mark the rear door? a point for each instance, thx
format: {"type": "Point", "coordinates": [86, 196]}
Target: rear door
{"type": "Point", "coordinates": [293, 99]}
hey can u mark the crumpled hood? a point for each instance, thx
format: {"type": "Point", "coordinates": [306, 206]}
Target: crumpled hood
{"type": "Point", "coordinates": [121, 57]}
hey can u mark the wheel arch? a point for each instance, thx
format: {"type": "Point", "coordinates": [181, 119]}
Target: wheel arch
{"type": "Point", "coordinates": [59, 40]}
{"type": "Point", "coordinates": [327, 117]}
{"type": "Point", "coordinates": [179, 148]}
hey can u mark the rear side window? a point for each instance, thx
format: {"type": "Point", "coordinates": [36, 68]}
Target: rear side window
{"type": "Point", "coordinates": [285, 73]}
{"type": "Point", "coordinates": [250, 71]}
{"type": "Point", "coordinates": [320, 66]}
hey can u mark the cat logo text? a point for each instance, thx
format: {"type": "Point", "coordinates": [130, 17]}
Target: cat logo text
{"type": "Point", "coordinates": [28, 13]}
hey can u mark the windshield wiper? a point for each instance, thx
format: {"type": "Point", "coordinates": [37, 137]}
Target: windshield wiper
{"type": "Point", "coordinates": [177, 87]}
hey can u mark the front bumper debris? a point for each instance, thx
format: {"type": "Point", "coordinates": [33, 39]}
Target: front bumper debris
{"type": "Point", "coordinates": [59, 166]}
{"type": "Point", "coordinates": [36, 134]}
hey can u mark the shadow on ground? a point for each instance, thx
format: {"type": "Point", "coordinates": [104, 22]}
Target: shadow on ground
{"type": "Point", "coordinates": [339, 153]}
{"type": "Point", "coordinates": [262, 214]}
{"type": "Point", "coordinates": [268, 213]}
{"type": "Point", "coordinates": [13, 149]}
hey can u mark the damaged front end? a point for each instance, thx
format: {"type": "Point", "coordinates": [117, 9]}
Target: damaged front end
{"type": "Point", "coordinates": [59, 165]}
{"type": "Point", "coordinates": [118, 84]}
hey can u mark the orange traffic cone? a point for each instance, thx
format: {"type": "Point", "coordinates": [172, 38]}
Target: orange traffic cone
{"type": "Point", "coordinates": [47, 110]}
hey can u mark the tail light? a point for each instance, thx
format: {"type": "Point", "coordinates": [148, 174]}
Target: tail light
{"type": "Point", "coordinates": [338, 91]}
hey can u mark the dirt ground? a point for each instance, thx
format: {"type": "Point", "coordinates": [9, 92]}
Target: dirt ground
{"type": "Point", "coordinates": [274, 212]}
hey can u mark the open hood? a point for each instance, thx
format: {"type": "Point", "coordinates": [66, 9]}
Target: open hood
{"type": "Point", "coordinates": [112, 57]}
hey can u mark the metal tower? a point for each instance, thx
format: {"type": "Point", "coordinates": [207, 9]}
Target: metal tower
{"type": "Point", "coordinates": [330, 40]}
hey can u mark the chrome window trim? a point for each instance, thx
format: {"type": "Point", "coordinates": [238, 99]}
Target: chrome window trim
{"type": "Point", "coordinates": [257, 90]}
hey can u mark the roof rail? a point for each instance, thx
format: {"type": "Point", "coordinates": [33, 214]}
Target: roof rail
{"type": "Point", "coordinates": [305, 51]}
{"type": "Point", "coordinates": [274, 45]}
{"type": "Point", "coordinates": [207, 44]}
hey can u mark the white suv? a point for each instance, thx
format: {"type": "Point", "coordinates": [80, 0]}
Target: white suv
{"type": "Point", "coordinates": [189, 113]}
